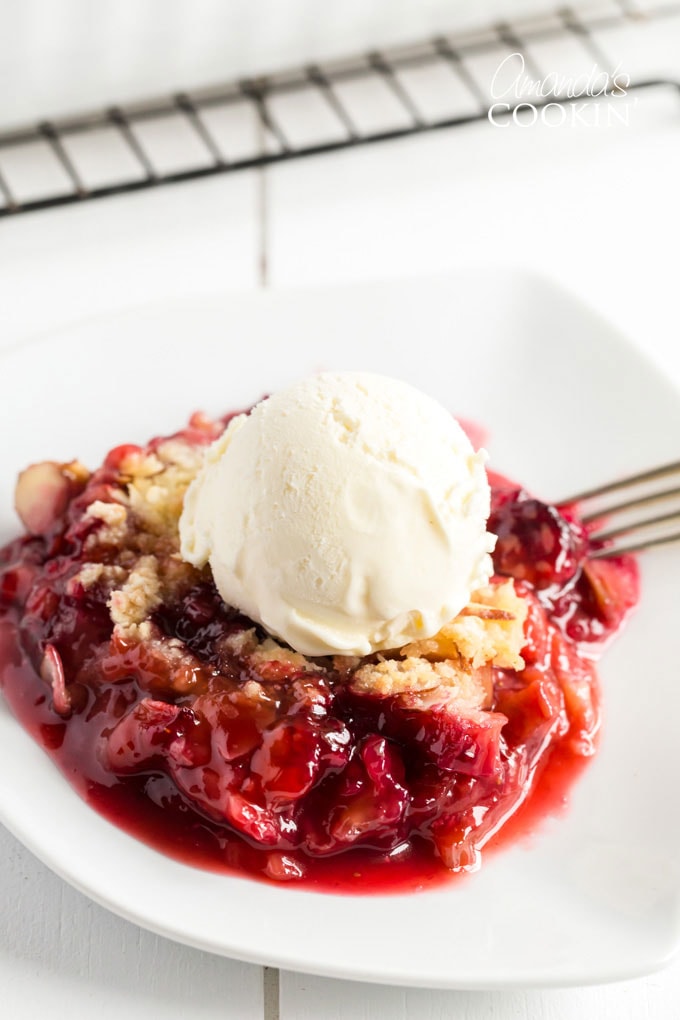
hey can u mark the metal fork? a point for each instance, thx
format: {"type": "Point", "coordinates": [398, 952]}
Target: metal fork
{"type": "Point", "coordinates": [633, 528]}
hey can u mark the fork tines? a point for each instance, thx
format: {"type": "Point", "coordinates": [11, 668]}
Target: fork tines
{"type": "Point", "coordinates": [632, 503]}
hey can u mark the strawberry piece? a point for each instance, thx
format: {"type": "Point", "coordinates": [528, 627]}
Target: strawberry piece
{"type": "Point", "coordinates": [536, 543]}
{"type": "Point", "coordinates": [16, 582]}
{"type": "Point", "coordinates": [287, 761]}
{"type": "Point", "coordinates": [372, 798]}
{"type": "Point", "coordinates": [283, 868]}
{"type": "Point", "coordinates": [142, 737]}
{"type": "Point", "coordinates": [153, 733]}
{"type": "Point", "coordinates": [465, 742]}
{"type": "Point", "coordinates": [253, 820]}
{"type": "Point", "coordinates": [236, 720]}
{"type": "Point", "coordinates": [440, 727]}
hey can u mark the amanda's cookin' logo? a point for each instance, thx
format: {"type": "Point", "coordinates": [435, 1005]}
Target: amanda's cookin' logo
{"type": "Point", "coordinates": [557, 99]}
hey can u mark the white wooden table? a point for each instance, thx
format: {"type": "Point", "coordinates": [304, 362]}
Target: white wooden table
{"type": "Point", "coordinates": [597, 210]}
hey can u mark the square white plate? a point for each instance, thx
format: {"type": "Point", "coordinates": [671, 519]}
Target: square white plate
{"type": "Point", "coordinates": [594, 895]}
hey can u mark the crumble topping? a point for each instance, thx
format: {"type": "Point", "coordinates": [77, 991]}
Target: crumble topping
{"type": "Point", "coordinates": [139, 596]}
{"type": "Point", "coordinates": [142, 522]}
{"type": "Point", "coordinates": [489, 630]}
{"type": "Point", "coordinates": [245, 644]}
{"type": "Point", "coordinates": [157, 488]}
{"type": "Point", "coordinates": [99, 573]}
{"type": "Point", "coordinates": [270, 651]}
{"type": "Point", "coordinates": [183, 455]}
{"type": "Point", "coordinates": [139, 464]}
{"type": "Point", "coordinates": [415, 675]}
{"type": "Point", "coordinates": [242, 643]}
{"type": "Point", "coordinates": [114, 518]}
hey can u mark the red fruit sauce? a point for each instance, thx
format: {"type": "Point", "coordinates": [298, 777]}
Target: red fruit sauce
{"type": "Point", "coordinates": [313, 784]}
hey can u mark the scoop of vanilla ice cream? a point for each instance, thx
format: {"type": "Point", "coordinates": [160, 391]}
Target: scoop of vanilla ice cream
{"type": "Point", "coordinates": [346, 514]}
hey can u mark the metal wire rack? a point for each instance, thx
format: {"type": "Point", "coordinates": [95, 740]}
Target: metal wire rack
{"type": "Point", "coordinates": [215, 121]}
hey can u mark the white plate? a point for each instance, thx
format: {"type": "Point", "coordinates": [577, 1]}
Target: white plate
{"type": "Point", "coordinates": [595, 894]}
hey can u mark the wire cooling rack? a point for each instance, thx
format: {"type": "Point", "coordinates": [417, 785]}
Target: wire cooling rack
{"type": "Point", "coordinates": [375, 97]}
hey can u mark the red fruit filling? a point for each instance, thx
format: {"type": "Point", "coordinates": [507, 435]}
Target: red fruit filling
{"type": "Point", "coordinates": [184, 725]}
{"type": "Point", "coordinates": [549, 547]}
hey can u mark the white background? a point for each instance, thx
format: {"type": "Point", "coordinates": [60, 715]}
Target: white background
{"type": "Point", "coordinates": [71, 55]}
{"type": "Point", "coordinates": [596, 209]}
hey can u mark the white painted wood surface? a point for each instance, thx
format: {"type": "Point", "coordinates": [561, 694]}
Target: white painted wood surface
{"type": "Point", "coordinates": [598, 210]}
{"type": "Point", "coordinates": [305, 998]}
{"type": "Point", "coordinates": [62, 955]}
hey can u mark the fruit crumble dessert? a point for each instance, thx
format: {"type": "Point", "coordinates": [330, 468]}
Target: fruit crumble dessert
{"type": "Point", "coordinates": [288, 741]}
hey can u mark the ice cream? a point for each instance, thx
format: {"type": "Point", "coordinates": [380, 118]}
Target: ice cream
{"type": "Point", "coordinates": [346, 514]}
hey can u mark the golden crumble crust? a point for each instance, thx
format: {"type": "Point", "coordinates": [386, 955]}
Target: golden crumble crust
{"type": "Point", "coordinates": [415, 675]}
{"type": "Point", "coordinates": [142, 522]}
{"type": "Point", "coordinates": [489, 630]}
